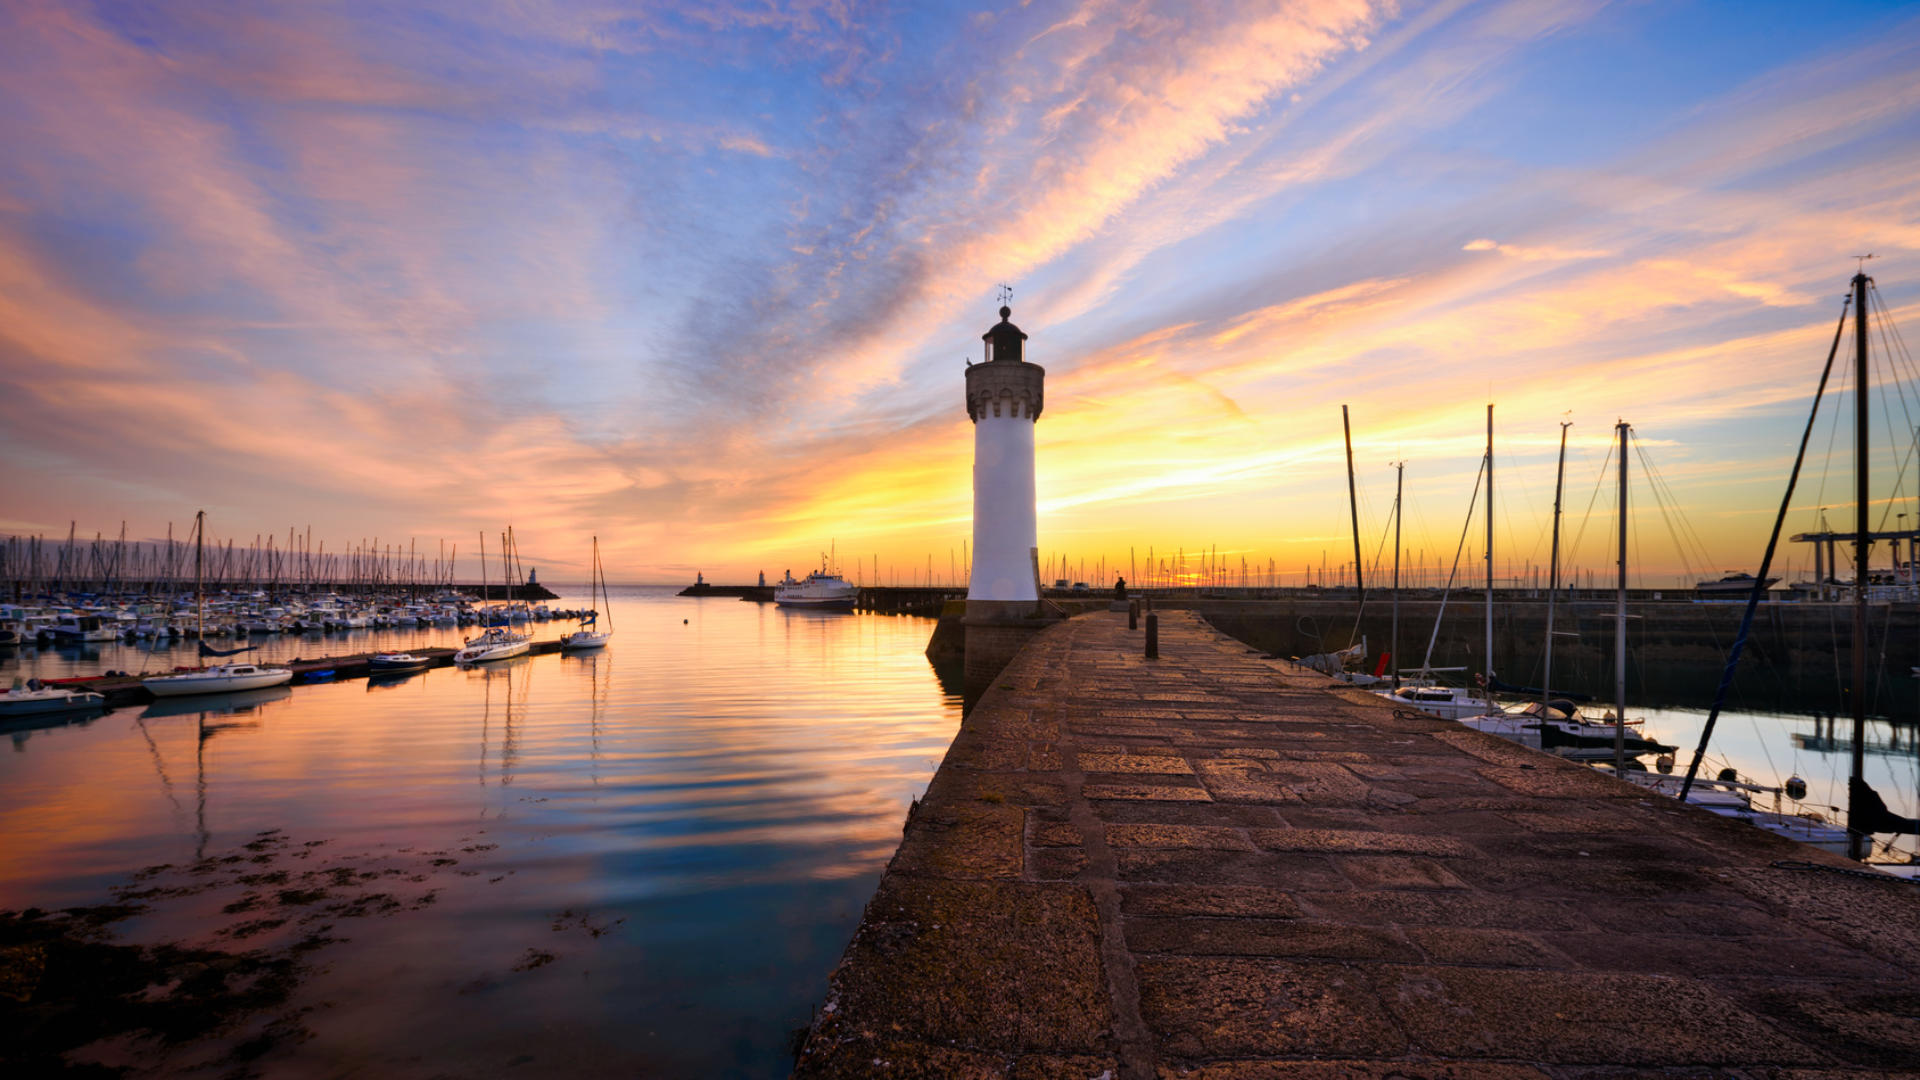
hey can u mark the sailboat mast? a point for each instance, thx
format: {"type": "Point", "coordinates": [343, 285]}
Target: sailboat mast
{"type": "Point", "coordinates": [1353, 506]}
{"type": "Point", "coordinates": [199, 581]}
{"type": "Point", "coordinates": [1393, 640]}
{"type": "Point", "coordinates": [1489, 553]}
{"type": "Point", "coordinates": [1857, 841]}
{"type": "Point", "coordinates": [1620, 624]}
{"type": "Point", "coordinates": [1553, 565]}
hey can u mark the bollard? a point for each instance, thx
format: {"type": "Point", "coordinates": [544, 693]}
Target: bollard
{"type": "Point", "coordinates": [1133, 615]}
{"type": "Point", "coordinates": [1153, 636]}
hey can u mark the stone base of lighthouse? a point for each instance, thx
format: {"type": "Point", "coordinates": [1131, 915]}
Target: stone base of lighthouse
{"type": "Point", "coordinates": [996, 631]}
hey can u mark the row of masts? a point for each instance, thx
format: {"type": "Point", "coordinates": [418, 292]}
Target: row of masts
{"type": "Point", "coordinates": [34, 565]}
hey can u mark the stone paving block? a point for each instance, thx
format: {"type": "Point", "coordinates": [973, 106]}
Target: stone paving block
{"type": "Point", "coordinates": [1199, 814]}
{"type": "Point", "coordinates": [1465, 908]}
{"type": "Point", "coordinates": [1145, 792]}
{"type": "Point", "coordinates": [1357, 842]}
{"type": "Point", "coordinates": [1345, 1070]}
{"type": "Point", "coordinates": [1223, 901]}
{"type": "Point", "coordinates": [1212, 1006]}
{"type": "Point", "coordinates": [1133, 763]}
{"type": "Point", "coordinates": [968, 840]}
{"type": "Point", "coordinates": [1863, 1022]}
{"type": "Point", "coordinates": [1873, 916]}
{"type": "Point", "coordinates": [1055, 864]}
{"type": "Point", "coordinates": [1320, 783]}
{"type": "Point", "coordinates": [1243, 780]}
{"type": "Point", "coordinates": [1177, 836]}
{"type": "Point", "coordinates": [1606, 820]}
{"type": "Point", "coordinates": [1571, 782]}
{"type": "Point", "coordinates": [1281, 869]}
{"type": "Point", "coordinates": [1786, 956]}
{"type": "Point", "coordinates": [1396, 872]}
{"type": "Point", "coordinates": [1578, 1017]}
{"type": "Point", "coordinates": [1023, 975]}
{"type": "Point", "coordinates": [1265, 937]}
{"type": "Point", "coordinates": [989, 755]}
{"type": "Point", "coordinates": [1492, 948]}
{"type": "Point", "coordinates": [1057, 834]}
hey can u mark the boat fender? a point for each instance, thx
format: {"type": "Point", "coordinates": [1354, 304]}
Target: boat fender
{"type": "Point", "coordinates": [1796, 788]}
{"type": "Point", "coordinates": [1728, 775]}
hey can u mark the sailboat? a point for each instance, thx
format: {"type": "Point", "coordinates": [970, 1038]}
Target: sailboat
{"type": "Point", "coordinates": [497, 641]}
{"type": "Point", "coordinates": [1867, 812]}
{"type": "Point", "coordinates": [1423, 693]}
{"type": "Point", "coordinates": [219, 678]}
{"type": "Point", "coordinates": [1554, 723]}
{"type": "Point", "coordinates": [590, 636]}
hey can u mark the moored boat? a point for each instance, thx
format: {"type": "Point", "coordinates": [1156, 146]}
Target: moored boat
{"type": "Point", "coordinates": [819, 590]}
{"type": "Point", "coordinates": [391, 663]}
{"type": "Point", "coordinates": [590, 636]}
{"type": "Point", "coordinates": [23, 701]}
{"type": "Point", "coordinates": [1558, 727]}
{"type": "Point", "coordinates": [497, 643]}
{"type": "Point", "coordinates": [1730, 587]}
{"type": "Point", "coordinates": [220, 678]}
{"type": "Point", "coordinates": [1445, 702]}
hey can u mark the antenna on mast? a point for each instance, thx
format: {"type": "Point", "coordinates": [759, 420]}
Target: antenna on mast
{"type": "Point", "coordinates": [1863, 262]}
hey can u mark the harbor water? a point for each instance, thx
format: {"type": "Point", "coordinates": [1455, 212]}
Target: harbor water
{"type": "Point", "coordinates": [640, 861]}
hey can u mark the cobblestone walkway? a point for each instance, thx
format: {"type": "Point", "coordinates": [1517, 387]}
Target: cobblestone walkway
{"type": "Point", "coordinates": [1213, 865]}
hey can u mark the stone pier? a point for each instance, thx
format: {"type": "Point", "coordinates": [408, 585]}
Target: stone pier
{"type": "Point", "coordinates": [1217, 866]}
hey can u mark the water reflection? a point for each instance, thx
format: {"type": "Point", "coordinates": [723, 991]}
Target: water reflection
{"type": "Point", "coordinates": [643, 860]}
{"type": "Point", "coordinates": [1770, 747]}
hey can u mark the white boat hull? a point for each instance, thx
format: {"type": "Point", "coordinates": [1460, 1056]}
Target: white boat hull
{"type": "Point", "coordinates": [31, 702]}
{"type": "Point", "coordinates": [832, 603]}
{"type": "Point", "coordinates": [581, 641]}
{"type": "Point", "coordinates": [211, 682]}
{"type": "Point", "coordinates": [480, 654]}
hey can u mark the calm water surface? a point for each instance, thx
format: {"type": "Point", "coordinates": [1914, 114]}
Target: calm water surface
{"type": "Point", "coordinates": [640, 862]}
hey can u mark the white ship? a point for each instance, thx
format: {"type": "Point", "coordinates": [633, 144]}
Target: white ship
{"type": "Point", "coordinates": [819, 590]}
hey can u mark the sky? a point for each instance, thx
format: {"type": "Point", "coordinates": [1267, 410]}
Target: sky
{"type": "Point", "coordinates": [701, 280]}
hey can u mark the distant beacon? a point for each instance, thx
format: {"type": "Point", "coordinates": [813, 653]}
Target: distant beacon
{"type": "Point", "coordinates": [1004, 401]}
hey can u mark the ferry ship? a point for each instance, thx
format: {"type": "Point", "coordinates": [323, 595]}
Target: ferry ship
{"type": "Point", "coordinates": [819, 590]}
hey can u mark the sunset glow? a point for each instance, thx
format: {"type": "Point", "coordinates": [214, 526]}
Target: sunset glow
{"type": "Point", "coordinates": [703, 279]}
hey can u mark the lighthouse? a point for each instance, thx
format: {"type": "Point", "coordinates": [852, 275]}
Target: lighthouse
{"type": "Point", "coordinates": [1004, 397]}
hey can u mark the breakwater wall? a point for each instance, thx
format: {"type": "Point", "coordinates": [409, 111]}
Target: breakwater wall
{"type": "Point", "coordinates": [1799, 654]}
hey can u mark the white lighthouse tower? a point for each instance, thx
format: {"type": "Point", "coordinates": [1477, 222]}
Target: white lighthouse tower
{"type": "Point", "coordinates": [1004, 400]}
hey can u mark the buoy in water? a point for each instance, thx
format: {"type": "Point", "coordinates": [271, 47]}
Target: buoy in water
{"type": "Point", "coordinates": [683, 622]}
